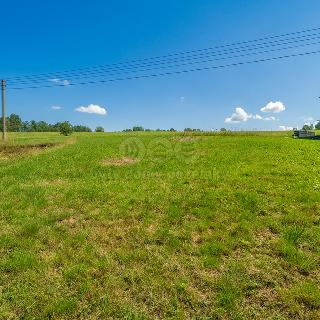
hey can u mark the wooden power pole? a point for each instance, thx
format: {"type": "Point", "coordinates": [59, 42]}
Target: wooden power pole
{"type": "Point", "coordinates": [3, 90]}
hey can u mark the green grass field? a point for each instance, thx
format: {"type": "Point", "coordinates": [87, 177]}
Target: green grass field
{"type": "Point", "coordinates": [159, 226]}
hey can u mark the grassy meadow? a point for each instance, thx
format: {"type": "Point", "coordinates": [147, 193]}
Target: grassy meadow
{"type": "Point", "coordinates": [159, 226]}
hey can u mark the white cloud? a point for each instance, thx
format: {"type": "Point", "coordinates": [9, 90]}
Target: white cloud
{"type": "Point", "coordinates": [240, 115]}
{"type": "Point", "coordinates": [55, 108]}
{"type": "Point", "coordinates": [285, 128]}
{"type": "Point", "coordinates": [60, 81]}
{"type": "Point", "coordinates": [92, 108]}
{"type": "Point", "coordinates": [274, 107]}
{"type": "Point", "coordinates": [271, 118]}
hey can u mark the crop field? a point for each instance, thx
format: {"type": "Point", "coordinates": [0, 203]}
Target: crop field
{"type": "Point", "coordinates": [159, 226]}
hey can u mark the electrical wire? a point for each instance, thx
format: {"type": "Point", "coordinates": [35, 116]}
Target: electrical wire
{"type": "Point", "coordinates": [102, 73]}
{"type": "Point", "coordinates": [126, 65]}
{"type": "Point", "coordinates": [128, 70]}
{"type": "Point", "coordinates": [175, 72]}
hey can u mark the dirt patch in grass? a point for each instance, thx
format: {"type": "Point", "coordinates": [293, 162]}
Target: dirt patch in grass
{"type": "Point", "coordinates": [69, 221]}
{"type": "Point", "coordinates": [10, 151]}
{"type": "Point", "coordinates": [119, 162]}
{"type": "Point", "coordinates": [196, 238]}
{"type": "Point", "coordinates": [74, 223]}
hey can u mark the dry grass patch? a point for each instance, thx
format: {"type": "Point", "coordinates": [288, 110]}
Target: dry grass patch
{"type": "Point", "coordinates": [119, 162]}
{"type": "Point", "coordinates": [69, 221]}
{"type": "Point", "coordinates": [10, 151]}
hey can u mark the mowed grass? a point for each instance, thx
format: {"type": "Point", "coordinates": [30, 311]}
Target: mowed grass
{"type": "Point", "coordinates": [160, 226]}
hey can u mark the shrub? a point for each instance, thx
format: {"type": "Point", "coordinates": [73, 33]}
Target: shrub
{"type": "Point", "coordinates": [99, 129]}
{"type": "Point", "coordinates": [66, 128]}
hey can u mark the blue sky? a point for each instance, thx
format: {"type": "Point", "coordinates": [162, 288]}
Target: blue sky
{"type": "Point", "coordinates": [41, 37]}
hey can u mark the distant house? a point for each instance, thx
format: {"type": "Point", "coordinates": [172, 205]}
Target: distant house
{"type": "Point", "coordinates": [303, 134]}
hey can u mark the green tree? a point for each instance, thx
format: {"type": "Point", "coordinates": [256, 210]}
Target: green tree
{"type": "Point", "coordinates": [99, 129]}
{"type": "Point", "coordinates": [14, 123]}
{"type": "Point", "coordinates": [66, 128]}
{"type": "Point", "coordinates": [42, 126]}
{"type": "Point", "coordinates": [33, 126]}
{"type": "Point", "coordinates": [137, 128]}
{"type": "Point", "coordinates": [308, 127]}
{"type": "Point", "coordinates": [317, 126]}
{"type": "Point", "coordinates": [25, 127]}
{"type": "Point", "coordinates": [56, 127]}
{"type": "Point", "coordinates": [80, 128]}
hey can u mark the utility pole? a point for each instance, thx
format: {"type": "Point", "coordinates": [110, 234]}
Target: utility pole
{"type": "Point", "coordinates": [3, 90]}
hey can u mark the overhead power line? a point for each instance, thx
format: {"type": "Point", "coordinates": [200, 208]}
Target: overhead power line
{"type": "Point", "coordinates": [191, 62]}
{"type": "Point", "coordinates": [166, 58]}
{"type": "Point", "coordinates": [167, 64]}
{"type": "Point", "coordinates": [177, 72]}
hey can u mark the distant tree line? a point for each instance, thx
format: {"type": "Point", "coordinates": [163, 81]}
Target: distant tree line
{"type": "Point", "coordinates": [15, 124]}
{"type": "Point", "coordinates": [139, 128]}
{"type": "Point", "coordinates": [311, 126]}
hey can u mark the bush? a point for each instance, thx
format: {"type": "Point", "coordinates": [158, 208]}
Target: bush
{"type": "Point", "coordinates": [66, 128]}
{"type": "Point", "coordinates": [137, 128]}
{"type": "Point", "coordinates": [307, 127]}
{"type": "Point", "coordinates": [99, 129]}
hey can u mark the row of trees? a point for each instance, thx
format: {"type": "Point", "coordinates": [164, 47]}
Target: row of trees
{"type": "Point", "coordinates": [139, 128]}
{"type": "Point", "coordinates": [311, 126]}
{"type": "Point", "coordinates": [143, 129]}
{"type": "Point", "coordinates": [15, 124]}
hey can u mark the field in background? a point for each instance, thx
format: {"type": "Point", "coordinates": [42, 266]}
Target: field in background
{"type": "Point", "coordinates": [159, 226]}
